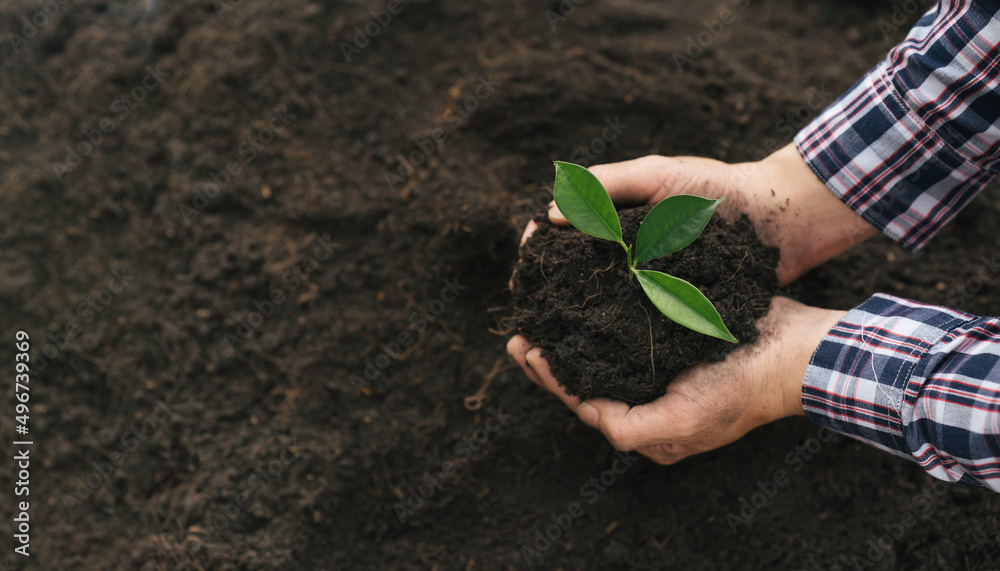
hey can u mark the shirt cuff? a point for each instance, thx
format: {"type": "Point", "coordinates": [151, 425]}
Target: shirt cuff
{"type": "Point", "coordinates": [887, 165]}
{"type": "Point", "coordinates": [860, 379]}
{"type": "Point", "coordinates": [913, 141]}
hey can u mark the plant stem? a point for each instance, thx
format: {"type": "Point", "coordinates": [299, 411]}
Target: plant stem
{"type": "Point", "coordinates": [631, 263]}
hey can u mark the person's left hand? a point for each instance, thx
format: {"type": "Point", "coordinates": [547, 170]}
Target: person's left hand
{"type": "Point", "coordinates": [710, 404]}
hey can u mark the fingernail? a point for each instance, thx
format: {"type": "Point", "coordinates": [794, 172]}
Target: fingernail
{"type": "Point", "coordinates": [588, 414]}
{"type": "Point", "coordinates": [531, 356]}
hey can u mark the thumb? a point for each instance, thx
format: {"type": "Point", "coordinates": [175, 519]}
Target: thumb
{"type": "Point", "coordinates": [631, 427]}
{"type": "Point", "coordinates": [555, 216]}
{"type": "Point", "coordinates": [635, 182]}
{"type": "Point", "coordinates": [629, 183]}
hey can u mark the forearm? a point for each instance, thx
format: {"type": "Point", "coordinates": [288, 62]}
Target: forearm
{"type": "Point", "coordinates": [914, 140]}
{"type": "Point", "coordinates": [914, 379]}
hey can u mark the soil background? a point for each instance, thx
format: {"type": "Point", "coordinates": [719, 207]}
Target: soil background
{"type": "Point", "coordinates": [267, 456]}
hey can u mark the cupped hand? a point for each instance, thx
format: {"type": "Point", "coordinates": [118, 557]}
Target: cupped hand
{"type": "Point", "coordinates": [788, 205]}
{"type": "Point", "coordinates": [711, 404]}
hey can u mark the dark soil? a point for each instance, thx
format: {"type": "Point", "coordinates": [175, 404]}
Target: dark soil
{"type": "Point", "coordinates": [206, 488]}
{"type": "Point", "coordinates": [597, 328]}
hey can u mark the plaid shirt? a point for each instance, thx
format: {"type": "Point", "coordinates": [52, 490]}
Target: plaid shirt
{"type": "Point", "coordinates": [907, 147]}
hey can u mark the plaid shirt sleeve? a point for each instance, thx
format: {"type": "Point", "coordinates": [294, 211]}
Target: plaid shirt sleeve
{"type": "Point", "coordinates": [916, 380]}
{"type": "Point", "coordinates": [912, 142]}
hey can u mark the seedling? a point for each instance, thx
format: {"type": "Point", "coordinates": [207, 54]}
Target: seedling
{"type": "Point", "coordinates": [671, 225]}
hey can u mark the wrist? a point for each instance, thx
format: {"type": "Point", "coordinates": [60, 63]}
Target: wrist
{"type": "Point", "coordinates": [790, 334]}
{"type": "Point", "coordinates": [809, 327]}
{"type": "Point", "coordinates": [802, 217]}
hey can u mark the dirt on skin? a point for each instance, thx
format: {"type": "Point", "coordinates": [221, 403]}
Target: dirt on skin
{"type": "Point", "coordinates": [598, 330]}
{"type": "Point", "coordinates": [271, 454]}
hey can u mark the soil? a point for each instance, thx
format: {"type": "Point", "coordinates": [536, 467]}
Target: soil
{"type": "Point", "coordinates": [269, 453]}
{"type": "Point", "coordinates": [600, 333]}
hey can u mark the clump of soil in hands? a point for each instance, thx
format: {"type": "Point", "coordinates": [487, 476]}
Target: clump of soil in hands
{"type": "Point", "coordinates": [602, 336]}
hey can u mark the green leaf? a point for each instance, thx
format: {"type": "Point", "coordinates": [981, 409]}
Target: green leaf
{"type": "Point", "coordinates": [682, 303]}
{"type": "Point", "coordinates": [583, 201]}
{"type": "Point", "coordinates": [672, 224]}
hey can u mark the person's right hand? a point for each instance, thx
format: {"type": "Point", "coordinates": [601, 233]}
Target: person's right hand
{"type": "Point", "coordinates": [787, 204]}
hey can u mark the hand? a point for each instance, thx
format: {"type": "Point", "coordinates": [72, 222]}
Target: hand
{"type": "Point", "coordinates": [710, 404]}
{"type": "Point", "coordinates": [787, 204]}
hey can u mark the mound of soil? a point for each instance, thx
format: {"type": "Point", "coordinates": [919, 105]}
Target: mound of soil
{"type": "Point", "coordinates": [600, 333]}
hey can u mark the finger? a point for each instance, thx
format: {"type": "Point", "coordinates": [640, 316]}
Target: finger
{"type": "Point", "coordinates": [629, 183]}
{"type": "Point", "coordinates": [518, 348]}
{"type": "Point", "coordinates": [541, 368]}
{"type": "Point", "coordinates": [528, 231]}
